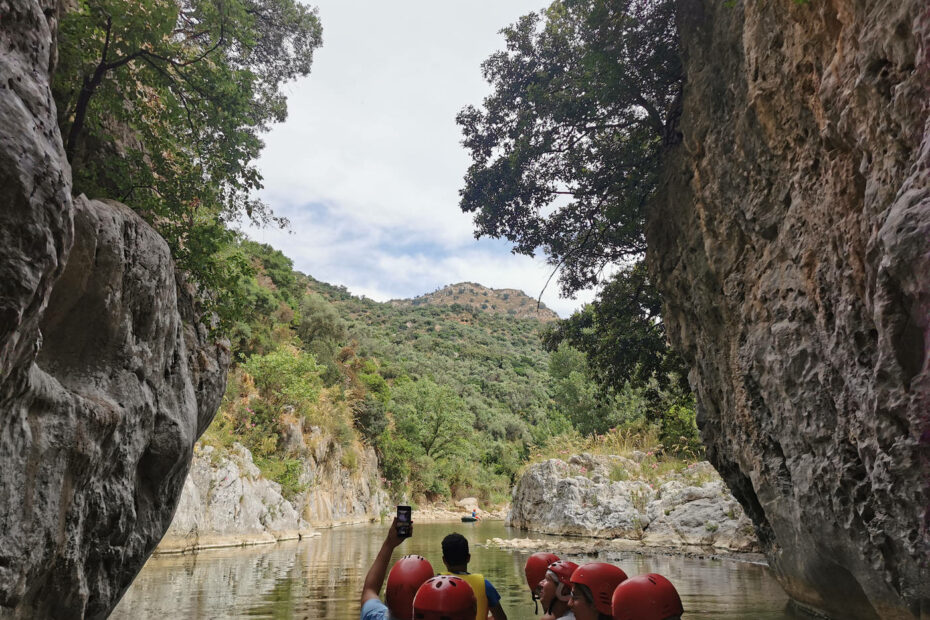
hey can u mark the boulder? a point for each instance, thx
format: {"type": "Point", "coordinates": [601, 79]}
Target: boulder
{"type": "Point", "coordinates": [578, 498]}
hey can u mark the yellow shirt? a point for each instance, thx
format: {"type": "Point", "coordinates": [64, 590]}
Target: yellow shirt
{"type": "Point", "coordinates": [476, 581]}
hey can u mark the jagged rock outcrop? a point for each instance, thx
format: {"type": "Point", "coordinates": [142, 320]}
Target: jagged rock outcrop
{"type": "Point", "coordinates": [226, 502]}
{"type": "Point", "coordinates": [106, 379]}
{"type": "Point", "coordinates": [578, 498]}
{"type": "Point", "coordinates": [343, 484]}
{"type": "Point", "coordinates": [791, 242]}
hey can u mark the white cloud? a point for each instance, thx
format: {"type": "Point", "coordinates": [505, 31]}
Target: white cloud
{"type": "Point", "coordinates": [371, 143]}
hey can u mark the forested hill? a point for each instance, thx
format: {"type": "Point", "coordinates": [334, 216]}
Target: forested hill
{"type": "Point", "coordinates": [452, 397]}
{"type": "Point", "coordinates": [508, 301]}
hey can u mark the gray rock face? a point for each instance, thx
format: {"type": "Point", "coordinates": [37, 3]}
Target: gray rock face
{"type": "Point", "coordinates": [792, 245]}
{"type": "Point", "coordinates": [105, 381]}
{"type": "Point", "coordinates": [226, 502]}
{"type": "Point", "coordinates": [341, 489]}
{"type": "Point", "coordinates": [98, 439]}
{"type": "Point", "coordinates": [578, 499]}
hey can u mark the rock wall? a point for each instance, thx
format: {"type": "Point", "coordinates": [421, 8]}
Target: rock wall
{"type": "Point", "coordinates": [791, 242]}
{"type": "Point", "coordinates": [578, 498]}
{"type": "Point", "coordinates": [106, 379]}
{"type": "Point", "coordinates": [338, 494]}
{"type": "Point", "coordinates": [227, 502]}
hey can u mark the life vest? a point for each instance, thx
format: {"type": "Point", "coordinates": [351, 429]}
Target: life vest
{"type": "Point", "coordinates": [476, 581]}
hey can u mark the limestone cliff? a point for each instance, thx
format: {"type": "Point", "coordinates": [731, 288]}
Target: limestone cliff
{"type": "Point", "coordinates": [106, 378]}
{"type": "Point", "coordinates": [227, 502]}
{"type": "Point", "coordinates": [792, 245]}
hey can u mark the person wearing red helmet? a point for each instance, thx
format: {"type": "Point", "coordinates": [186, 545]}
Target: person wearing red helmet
{"type": "Point", "coordinates": [535, 570]}
{"type": "Point", "coordinates": [406, 577]}
{"type": "Point", "coordinates": [555, 590]}
{"type": "Point", "coordinates": [646, 597]}
{"type": "Point", "coordinates": [446, 597]}
{"type": "Point", "coordinates": [593, 586]}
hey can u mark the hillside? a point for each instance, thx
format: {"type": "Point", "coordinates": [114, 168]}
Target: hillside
{"type": "Point", "coordinates": [507, 301]}
{"type": "Point", "coordinates": [453, 398]}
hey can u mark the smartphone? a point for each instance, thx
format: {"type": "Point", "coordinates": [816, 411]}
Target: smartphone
{"type": "Point", "coordinates": [404, 529]}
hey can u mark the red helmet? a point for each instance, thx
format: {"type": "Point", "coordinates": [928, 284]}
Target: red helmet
{"type": "Point", "coordinates": [563, 570]}
{"type": "Point", "coordinates": [445, 597]}
{"type": "Point", "coordinates": [536, 566]}
{"type": "Point", "coordinates": [405, 578]}
{"type": "Point", "coordinates": [646, 597]}
{"type": "Point", "coordinates": [602, 579]}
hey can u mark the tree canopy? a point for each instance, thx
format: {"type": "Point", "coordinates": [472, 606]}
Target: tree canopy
{"type": "Point", "coordinates": [565, 150]}
{"type": "Point", "coordinates": [163, 103]}
{"type": "Point", "coordinates": [565, 159]}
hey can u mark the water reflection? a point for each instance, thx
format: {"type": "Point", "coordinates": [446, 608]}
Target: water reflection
{"type": "Point", "coordinates": [322, 578]}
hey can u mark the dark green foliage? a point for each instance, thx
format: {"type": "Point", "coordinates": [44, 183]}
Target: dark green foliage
{"type": "Point", "coordinates": [565, 159]}
{"type": "Point", "coordinates": [565, 150]}
{"type": "Point", "coordinates": [370, 417]}
{"type": "Point", "coordinates": [322, 332]}
{"type": "Point", "coordinates": [621, 333]}
{"type": "Point", "coordinates": [163, 103]}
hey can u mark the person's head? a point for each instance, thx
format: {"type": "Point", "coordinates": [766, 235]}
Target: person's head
{"type": "Point", "coordinates": [445, 597]}
{"type": "Point", "coordinates": [593, 586]}
{"type": "Point", "coordinates": [646, 597]}
{"type": "Point", "coordinates": [405, 578]}
{"type": "Point", "coordinates": [555, 585]}
{"type": "Point", "coordinates": [535, 570]}
{"type": "Point", "coordinates": [455, 551]}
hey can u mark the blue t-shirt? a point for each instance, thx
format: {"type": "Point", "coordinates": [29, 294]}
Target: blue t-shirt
{"type": "Point", "coordinates": [374, 609]}
{"type": "Point", "coordinates": [494, 598]}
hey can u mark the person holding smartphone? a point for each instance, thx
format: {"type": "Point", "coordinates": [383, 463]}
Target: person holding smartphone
{"type": "Point", "coordinates": [411, 572]}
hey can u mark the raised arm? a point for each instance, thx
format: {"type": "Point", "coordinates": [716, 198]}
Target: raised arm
{"type": "Point", "coordinates": [375, 577]}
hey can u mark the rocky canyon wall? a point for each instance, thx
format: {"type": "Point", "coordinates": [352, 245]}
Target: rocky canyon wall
{"type": "Point", "coordinates": [106, 377]}
{"type": "Point", "coordinates": [791, 241]}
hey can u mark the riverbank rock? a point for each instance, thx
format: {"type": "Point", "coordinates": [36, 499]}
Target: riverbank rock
{"type": "Point", "coordinates": [439, 512]}
{"type": "Point", "coordinates": [578, 498]}
{"type": "Point", "coordinates": [791, 244]}
{"type": "Point", "coordinates": [226, 502]}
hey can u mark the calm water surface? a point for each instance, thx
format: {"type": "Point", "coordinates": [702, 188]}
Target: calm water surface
{"type": "Point", "coordinates": [322, 578]}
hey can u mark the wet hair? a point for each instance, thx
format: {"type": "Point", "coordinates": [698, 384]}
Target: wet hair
{"type": "Point", "coordinates": [455, 549]}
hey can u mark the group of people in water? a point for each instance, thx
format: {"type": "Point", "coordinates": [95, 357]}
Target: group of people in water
{"type": "Point", "coordinates": [593, 591]}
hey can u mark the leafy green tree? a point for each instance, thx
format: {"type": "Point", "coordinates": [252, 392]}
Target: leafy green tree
{"type": "Point", "coordinates": [622, 335]}
{"type": "Point", "coordinates": [163, 103]}
{"type": "Point", "coordinates": [322, 332]}
{"type": "Point", "coordinates": [286, 377]}
{"type": "Point", "coordinates": [432, 417]}
{"type": "Point", "coordinates": [565, 159]}
{"type": "Point", "coordinates": [565, 150]}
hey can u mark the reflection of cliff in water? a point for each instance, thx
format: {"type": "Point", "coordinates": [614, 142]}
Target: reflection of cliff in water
{"type": "Point", "coordinates": [318, 577]}
{"type": "Point", "coordinates": [322, 577]}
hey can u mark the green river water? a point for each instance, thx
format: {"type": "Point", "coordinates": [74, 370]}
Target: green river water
{"type": "Point", "coordinates": [322, 577]}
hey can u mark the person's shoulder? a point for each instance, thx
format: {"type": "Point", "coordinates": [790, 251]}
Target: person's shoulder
{"type": "Point", "coordinates": [374, 609]}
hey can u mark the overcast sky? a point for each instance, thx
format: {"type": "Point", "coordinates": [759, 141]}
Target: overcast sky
{"type": "Point", "coordinates": [368, 166]}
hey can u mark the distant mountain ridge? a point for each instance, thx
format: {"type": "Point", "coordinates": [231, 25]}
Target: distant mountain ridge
{"type": "Point", "coordinates": [508, 301]}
